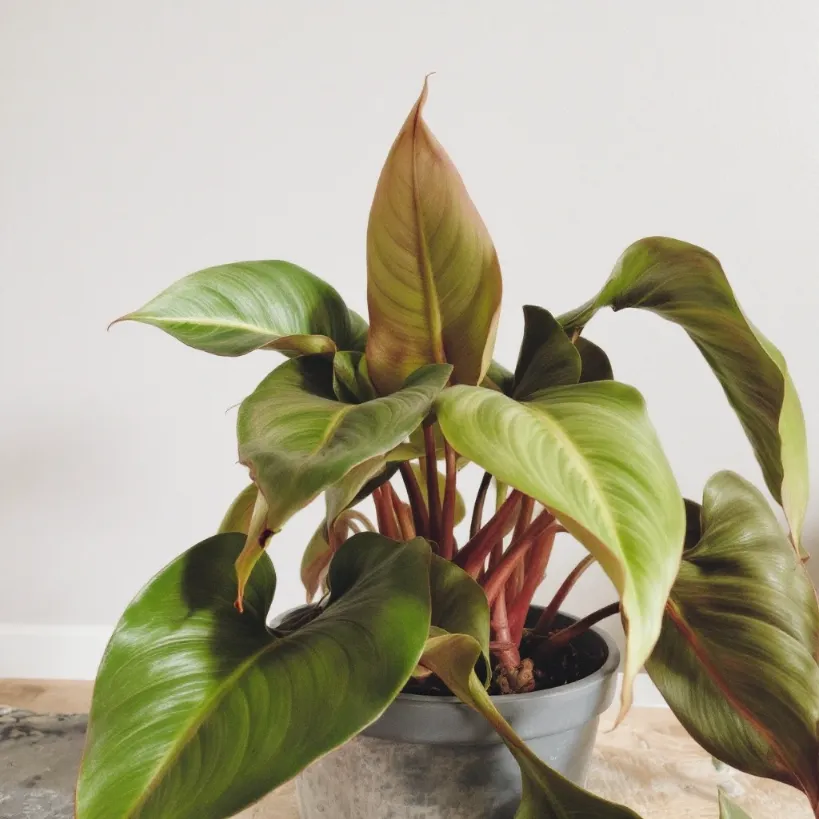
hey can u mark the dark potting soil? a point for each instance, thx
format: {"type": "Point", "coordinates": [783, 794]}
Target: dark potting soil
{"type": "Point", "coordinates": [581, 658]}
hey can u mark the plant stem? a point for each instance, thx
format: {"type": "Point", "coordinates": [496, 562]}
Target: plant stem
{"type": "Point", "coordinates": [480, 499]}
{"type": "Point", "coordinates": [537, 562]}
{"type": "Point", "coordinates": [547, 617]}
{"type": "Point", "coordinates": [447, 550]}
{"type": "Point", "coordinates": [432, 485]}
{"type": "Point", "coordinates": [420, 515]}
{"type": "Point", "coordinates": [514, 555]}
{"type": "Point", "coordinates": [502, 646]}
{"type": "Point", "coordinates": [473, 554]}
{"type": "Point", "coordinates": [565, 636]}
{"type": "Point", "coordinates": [404, 516]}
{"type": "Point", "coordinates": [385, 513]}
{"type": "Point", "coordinates": [515, 583]}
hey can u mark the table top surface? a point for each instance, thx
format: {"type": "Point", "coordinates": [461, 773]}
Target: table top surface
{"type": "Point", "coordinates": [648, 763]}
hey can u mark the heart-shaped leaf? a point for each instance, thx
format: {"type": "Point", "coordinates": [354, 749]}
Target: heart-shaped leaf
{"type": "Point", "coordinates": [736, 657]}
{"type": "Point", "coordinates": [546, 794]}
{"type": "Point", "coordinates": [565, 448]}
{"type": "Point", "coordinates": [236, 308]}
{"type": "Point", "coordinates": [687, 285]}
{"type": "Point", "coordinates": [199, 711]}
{"type": "Point", "coordinates": [730, 810]}
{"type": "Point", "coordinates": [298, 439]}
{"type": "Point", "coordinates": [433, 279]}
{"type": "Point", "coordinates": [547, 357]}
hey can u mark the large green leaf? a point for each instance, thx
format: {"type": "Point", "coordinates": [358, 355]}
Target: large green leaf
{"type": "Point", "coordinates": [546, 794]}
{"type": "Point", "coordinates": [199, 711]}
{"type": "Point", "coordinates": [297, 439]}
{"type": "Point", "coordinates": [736, 658]}
{"type": "Point", "coordinates": [589, 453]}
{"type": "Point", "coordinates": [433, 279]}
{"type": "Point", "coordinates": [686, 284]}
{"type": "Point", "coordinates": [547, 357]}
{"type": "Point", "coordinates": [236, 308]}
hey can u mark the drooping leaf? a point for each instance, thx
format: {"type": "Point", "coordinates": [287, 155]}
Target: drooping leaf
{"type": "Point", "coordinates": [433, 278]}
{"type": "Point", "coordinates": [237, 518]}
{"type": "Point", "coordinates": [687, 285]}
{"type": "Point", "coordinates": [547, 357]}
{"type": "Point", "coordinates": [236, 308]}
{"type": "Point", "coordinates": [566, 448]}
{"type": "Point", "coordinates": [546, 794]}
{"type": "Point", "coordinates": [199, 711]}
{"type": "Point", "coordinates": [729, 809]}
{"type": "Point", "coordinates": [595, 364]}
{"type": "Point", "coordinates": [297, 439]}
{"type": "Point", "coordinates": [736, 657]}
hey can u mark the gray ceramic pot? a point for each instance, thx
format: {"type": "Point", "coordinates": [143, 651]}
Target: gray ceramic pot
{"type": "Point", "coordinates": [434, 758]}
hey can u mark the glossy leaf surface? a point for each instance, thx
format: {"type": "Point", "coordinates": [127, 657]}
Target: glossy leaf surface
{"type": "Point", "coordinates": [236, 308]}
{"type": "Point", "coordinates": [199, 711]}
{"type": "Point", "coordinates": [736, 658]}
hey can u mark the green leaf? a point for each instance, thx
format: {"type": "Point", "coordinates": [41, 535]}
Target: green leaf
{"type": "Point", "coordinates": [198, 710]}
{"type": "Point", "coordinates": [547, 357]}
{"type": "Point", "coordinates": [687, 285]}
{"type": "Point", "coordinates": [498, 378]}
{"type": "Point", "coordinates": [433, 278]}
{"type": "Point", "coordinates": [565, 448]}
{"type": "Point", "coordinates": [546, 794]}
{"type": "Point", "coordinates": [736, 657]}
{"type": "Point", "coordinates": [351, 380]}
{"type": "Point", "coordinates": [595, 364]}
{"type": "Point", "coordinates": [297, 439]}
{"type": "Point", "coordinates": [236, 308]}
{"type": "Point", "coordinates": [729, 809]}
{"type": "Point", "coordinates": [459, 605]}
{"type": "Point", "coordinates": [238, 516]}
{"type": "Point", "coordinates": [359, 330]}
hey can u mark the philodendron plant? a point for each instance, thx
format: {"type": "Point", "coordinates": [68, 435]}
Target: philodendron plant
{"type": "Point", "coordinates": [202, 706]}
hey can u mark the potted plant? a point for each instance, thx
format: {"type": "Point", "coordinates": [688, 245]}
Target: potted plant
{"type": "Point", "coordinates": [202, 706]}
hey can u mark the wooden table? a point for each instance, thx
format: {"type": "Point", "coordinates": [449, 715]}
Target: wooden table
{"type": "Point", "coordinates": [648, 763]}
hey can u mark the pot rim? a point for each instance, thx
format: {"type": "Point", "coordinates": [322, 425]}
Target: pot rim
{"type": "Point", "coordinates": [571, 689]}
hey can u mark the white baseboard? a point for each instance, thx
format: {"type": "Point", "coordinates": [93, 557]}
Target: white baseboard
{"type": "Point", "coordinates": [40, 652]}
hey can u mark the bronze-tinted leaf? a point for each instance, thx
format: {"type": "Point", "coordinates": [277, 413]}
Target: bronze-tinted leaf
{"type": "Point", "coordinates": [736, 656]}
{"type": "Point", "coordinates": [433, 278]}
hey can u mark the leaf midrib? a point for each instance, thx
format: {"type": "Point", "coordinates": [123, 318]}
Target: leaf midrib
{"type": "Point", "coordinates": [207, 709]}
{"type": "Point", "coordinates": [544, 417]}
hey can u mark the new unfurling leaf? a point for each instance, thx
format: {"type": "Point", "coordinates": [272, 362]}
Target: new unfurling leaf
{"type": "Point", "coordinates": [433, 278]}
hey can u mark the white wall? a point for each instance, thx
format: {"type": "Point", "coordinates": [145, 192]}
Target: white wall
{"type": "Point", "coordinates": [142, 140]}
